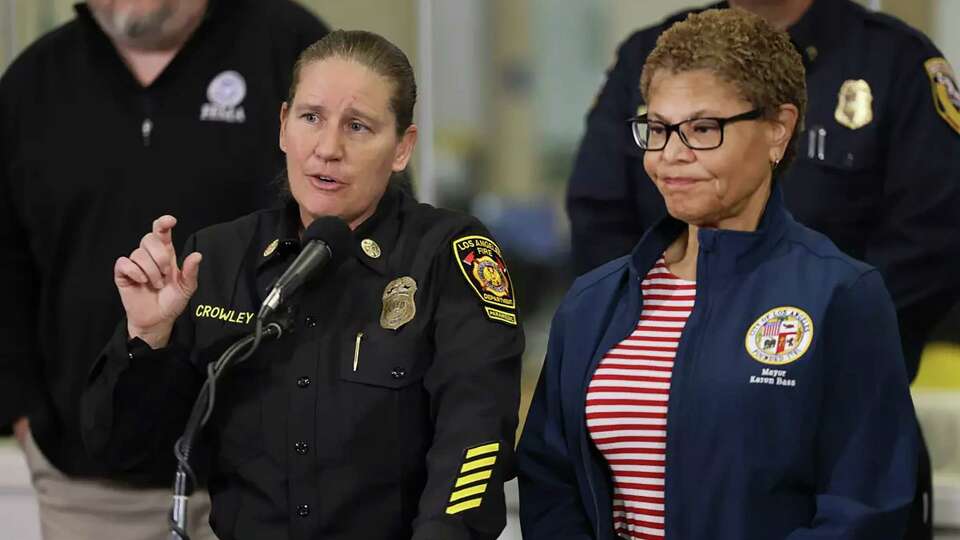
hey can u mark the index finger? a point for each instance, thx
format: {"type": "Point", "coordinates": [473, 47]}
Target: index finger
{"type": "Point", "coordinates": [162, 227]}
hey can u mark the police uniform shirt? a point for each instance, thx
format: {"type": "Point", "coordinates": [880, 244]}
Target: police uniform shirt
{"type": "Point", "coordinates": [89, 157]}
{"type": "Point", "coordinates": [877, 169]}
{"type": "Point", "coordinates": [388, 412]}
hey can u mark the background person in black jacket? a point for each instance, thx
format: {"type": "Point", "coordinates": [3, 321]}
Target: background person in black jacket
{"type": "Point", "coordinates": [132, 109]}
{"type": "Point", "coordinates": [877, 170]}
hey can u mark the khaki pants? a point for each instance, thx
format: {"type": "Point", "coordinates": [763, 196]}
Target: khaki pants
{"type": "Point", "coordinates": [82, 509]}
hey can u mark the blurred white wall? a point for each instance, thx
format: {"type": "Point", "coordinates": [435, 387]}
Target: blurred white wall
{"type": "Point", "coordinates": [945, 32]}
{"type": "Point", "coordinates": [393, 19]}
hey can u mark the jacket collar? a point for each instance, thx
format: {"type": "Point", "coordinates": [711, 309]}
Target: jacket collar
{"type": "Point", "coordinates": [279, 235]}
{"type": "Point", "coordinates": [382, 228]}
{"type": "Point", "coordinates": [728, 249]}
{"type": "Point", "coordinates": [820, 30]}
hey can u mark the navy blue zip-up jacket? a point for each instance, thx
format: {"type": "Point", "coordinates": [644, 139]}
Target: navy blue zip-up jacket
{"type": "Point", "coordinates": [817, 442]}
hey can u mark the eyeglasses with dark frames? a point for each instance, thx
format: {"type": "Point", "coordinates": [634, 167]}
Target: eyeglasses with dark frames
{"type": "Point", "coordinates": [695, 133]}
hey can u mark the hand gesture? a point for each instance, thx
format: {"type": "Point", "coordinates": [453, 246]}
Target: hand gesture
{"type": "Point", "coordinates": [154, 290]}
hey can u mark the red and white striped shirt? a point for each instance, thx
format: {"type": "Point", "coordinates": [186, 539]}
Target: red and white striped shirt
{"type": "Point", "coordinates": [627, 404]}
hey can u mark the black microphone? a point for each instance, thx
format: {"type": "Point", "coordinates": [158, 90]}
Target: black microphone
{"type": "Point", "coordinates": [325, 241]}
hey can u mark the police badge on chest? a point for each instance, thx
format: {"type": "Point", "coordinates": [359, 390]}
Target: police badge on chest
{"type": "Point", "coordinates": [399, 307]}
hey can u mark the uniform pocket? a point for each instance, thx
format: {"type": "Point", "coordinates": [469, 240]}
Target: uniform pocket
{"type": "Point", "coordinates": [839, 149]}
{"type": "Point", "coordinates": [835, 187]}
{"type": "Point", "coordinates": [380, 406]}
{"type": "Point", "coordinates": [385, 358]}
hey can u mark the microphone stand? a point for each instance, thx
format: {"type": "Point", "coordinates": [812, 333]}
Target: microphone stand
{"type": "Point", "coordinates": [202, 409]}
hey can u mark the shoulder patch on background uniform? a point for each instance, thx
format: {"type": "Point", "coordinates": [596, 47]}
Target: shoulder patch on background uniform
{"type": "Point", "coordinates": [471, 483]}
{"type": "Point", "coordinates": [480, 260]}
{"type": "Point", "coordinates": [946, 91]}
{"type": "Point", "coordinates": [780, 336]}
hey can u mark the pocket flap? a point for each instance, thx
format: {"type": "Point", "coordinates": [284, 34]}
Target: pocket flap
{"type": "Point", "coordinates": [386, 358]}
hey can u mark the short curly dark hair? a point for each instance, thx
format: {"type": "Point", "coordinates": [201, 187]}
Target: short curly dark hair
{"type": "Point", "coordinates": [741, 48]}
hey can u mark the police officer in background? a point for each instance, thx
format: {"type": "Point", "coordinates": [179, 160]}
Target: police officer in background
{"type": "Point", "coordinates": [878, 167]}
{"type": "Point", "coordinates": [132, 109]}
{"type": "Point", "coordinates": [387, 410]}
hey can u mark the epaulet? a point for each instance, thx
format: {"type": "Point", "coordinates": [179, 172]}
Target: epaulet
{"type": "Point", "coordinates": [885, 22]}
{"type": "Point", "coordinates": [681, 15]}
{"type": "Point", "coordinates": [678, 17]}
{"type": "Point", "coordinates": [225, 234]}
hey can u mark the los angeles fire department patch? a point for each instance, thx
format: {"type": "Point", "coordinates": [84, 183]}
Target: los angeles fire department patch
{"type": "Point", "coordinates": [780, 336]}
{"type": "Point", "coordinates": [481, 262]}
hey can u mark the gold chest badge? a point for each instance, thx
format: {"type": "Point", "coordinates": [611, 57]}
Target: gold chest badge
{"type": "Point", "coordinates": [854, 104]}
{"type": "Point", "coordinates": [398, 304]}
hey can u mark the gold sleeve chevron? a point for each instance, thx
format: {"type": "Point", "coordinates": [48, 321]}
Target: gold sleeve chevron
{"type": "Point", "coordinates": [472, 479]}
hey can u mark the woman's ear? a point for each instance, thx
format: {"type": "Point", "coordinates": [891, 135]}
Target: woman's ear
{"type": "Point", "coordinates": [284, 109]}
{"type": "Point", "coordinates": [781, 128]}
{"type": "Point", "coordinates": [405, 148]}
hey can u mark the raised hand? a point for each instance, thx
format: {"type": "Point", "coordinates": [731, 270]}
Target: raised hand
{"type": "Point", "coordinates": [153, 288]}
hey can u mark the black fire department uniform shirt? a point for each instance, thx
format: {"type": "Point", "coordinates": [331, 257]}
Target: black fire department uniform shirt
{"type": "Point", "coordinates": [877, 170]}
{"type": "Point", "coordinates": [89, 157]}
{"type": "Point", "coordinates": [389, 409]}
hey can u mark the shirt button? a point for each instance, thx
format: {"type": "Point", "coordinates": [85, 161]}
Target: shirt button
{"type": "Point", "coordinates": [303, 382]}
{"type": "Point", "coordinates": [301, 447]}
{"type": "Point", "coordinates": [303, 510]}
{"type": "Point", "coordinates": [398, 373]}
{"type": "Point", "coordinates": [310, 321]}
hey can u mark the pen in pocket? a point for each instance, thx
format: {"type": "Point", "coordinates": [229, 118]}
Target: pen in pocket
{"type": "Point", "coordinates": [356, 351]}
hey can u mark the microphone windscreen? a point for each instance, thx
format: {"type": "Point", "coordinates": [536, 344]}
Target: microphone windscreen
{"type": "Point", "coordinates": [333, 232]}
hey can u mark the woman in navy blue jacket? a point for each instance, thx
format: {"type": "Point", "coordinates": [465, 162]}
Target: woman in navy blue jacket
{"type": "Point", "coordinates": [736, 376]}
